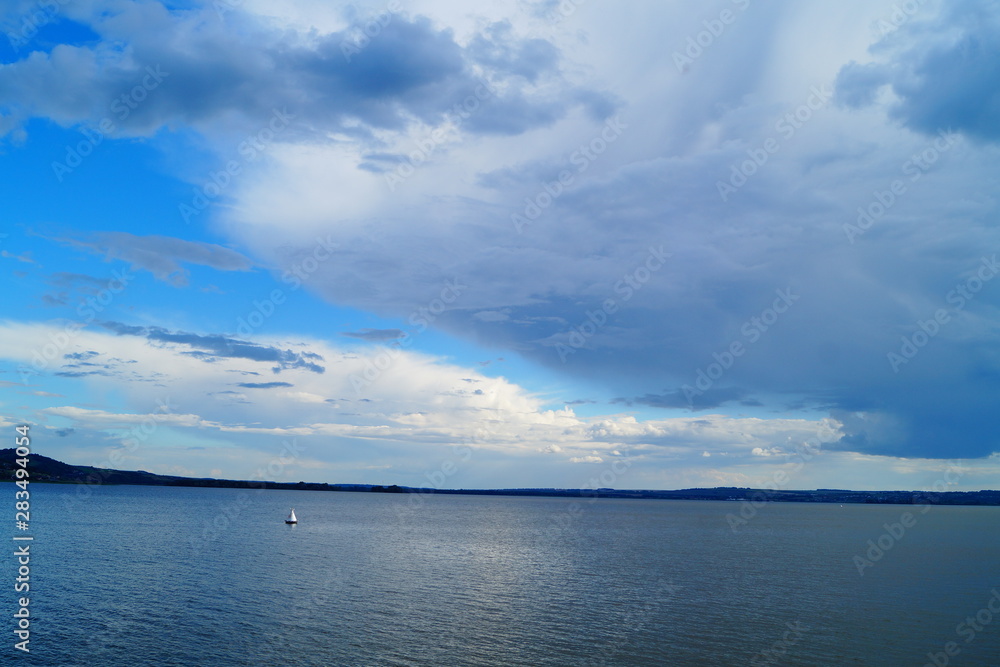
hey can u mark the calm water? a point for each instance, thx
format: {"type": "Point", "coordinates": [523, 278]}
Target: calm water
{"type": "Point", "coordinates": [172, 576]}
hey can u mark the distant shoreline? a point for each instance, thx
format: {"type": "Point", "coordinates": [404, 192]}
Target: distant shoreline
{"type": "Point", "coordinates": [50, 471]}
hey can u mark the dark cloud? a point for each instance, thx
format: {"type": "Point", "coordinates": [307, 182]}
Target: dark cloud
{"type": "Point", "coordinates": [944, 72]}
{"type": "Point", "coordinates": [81, 356]}
{"type": "Point", "coordinates": [213, 347]}
{"type": "Point", "coordinates": [264, 385]}
{"type": "Point", "coordinates": [202, 69]}
{"type": "Point", "coordinates": [727, 264]}
{"type": "Point", "coordinates": [693, 400]}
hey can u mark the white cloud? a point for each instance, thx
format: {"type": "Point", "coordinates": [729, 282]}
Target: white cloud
{"type": "Point", "coordinates": [771, 451]}
{"type": "Point", "coordinates": [417, 406]}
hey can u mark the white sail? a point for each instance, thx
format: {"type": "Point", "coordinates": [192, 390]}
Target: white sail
{"type": "Point", "coordinates": [291, 517]}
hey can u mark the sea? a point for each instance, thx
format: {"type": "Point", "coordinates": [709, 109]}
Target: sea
{"type": "Point", "coordinates": [139, 575]}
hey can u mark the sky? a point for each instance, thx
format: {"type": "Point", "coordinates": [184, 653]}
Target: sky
{"type": "Point", "coordinates": [518, 243]}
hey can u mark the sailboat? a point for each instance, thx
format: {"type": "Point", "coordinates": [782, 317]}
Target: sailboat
{"type": "Point", "coordinates": [291, 517]}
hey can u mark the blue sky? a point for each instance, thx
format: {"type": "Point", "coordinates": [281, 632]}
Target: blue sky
{"type": "Point", "coordinates": [528, 243]}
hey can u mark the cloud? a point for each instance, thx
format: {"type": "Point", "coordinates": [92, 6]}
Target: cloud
{"type": "Point", "coordinates": [419, 407]}
{"type": "Point", "coordinates": [81, 356]}
{"type": "Point", "coordinates": [23, 257]}
{"type": "Point", "coordinates": [163, 256]}
{"type": "Point", "coordinates": [943, 71]}
{"type": "Point", "coordinates": [212, 347]}
{"type": "Point", "coordinates": [692, 399]}
{"type": "Point", "coordinates": [264, 385]}
{"type": "Point", "coordinates": [491, 316]}
{"type": "Point", "coordinates": [375, 335]}
{"type": "Point", "coordinates": [581, 289]}
{"type": "Point", "coordinates": [416, 412]}
{"type": "Point", "coordinates": [206, 71]}
{"type": "Point", "coordinates": [67, 283]}
{"type": "Point", "coordinates": [104, 418]}
{"type": "Point", "coordinates": [79, 281]}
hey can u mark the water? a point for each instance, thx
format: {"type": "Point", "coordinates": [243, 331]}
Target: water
{"type": "Point", "coordinates": [131, 576]}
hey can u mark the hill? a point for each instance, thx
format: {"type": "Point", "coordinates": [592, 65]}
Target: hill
{"type": "Point", "coordinates": [49, 470]}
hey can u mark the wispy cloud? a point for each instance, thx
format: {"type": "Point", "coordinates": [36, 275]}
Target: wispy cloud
{"type": "Point", "coordinates": [162, 256]}
{"type": "Point", "coordinates": [212, 347]}
{"type": "Point", "coordinates": [375, 335]}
